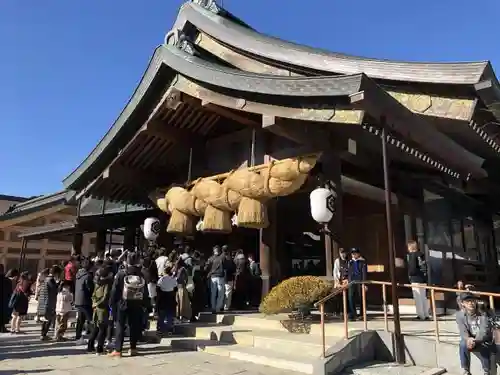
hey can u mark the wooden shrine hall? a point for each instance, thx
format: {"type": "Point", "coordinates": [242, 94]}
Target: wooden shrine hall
{"type": "Point", "coordinates": [229, 129]}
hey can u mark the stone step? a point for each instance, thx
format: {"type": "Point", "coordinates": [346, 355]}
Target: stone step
{"type": "Point", "coordinates": [384, 368]}
{"type": "Point", "coordinates": [291, 361]}
{"type": "Point", "coordinates": [284, 342]}
{"type": "Point", "coordinates": [277, 323]}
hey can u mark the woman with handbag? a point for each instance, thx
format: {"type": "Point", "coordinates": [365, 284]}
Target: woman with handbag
{"type": "Point", "coordinates": [19, 302]}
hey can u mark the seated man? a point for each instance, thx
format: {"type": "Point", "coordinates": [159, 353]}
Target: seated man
{"type": "Point", "coordinates": [476, 334]}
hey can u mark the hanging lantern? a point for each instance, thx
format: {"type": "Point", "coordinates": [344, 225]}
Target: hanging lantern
{"type": "Point", "coordinates": [322, 202]}
{"type": "Point", "coordinates": [151, 228]}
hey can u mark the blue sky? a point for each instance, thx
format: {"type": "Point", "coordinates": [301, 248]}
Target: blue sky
{"type": "Point", "coordinates": [67, 67]}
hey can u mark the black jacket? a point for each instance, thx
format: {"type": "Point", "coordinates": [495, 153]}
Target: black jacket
{"type": "Point", "coordinates": [116, 300]}
{"type": "Point", "coordinates": [417, 267]}
{"type": "Point", "coordinates": [84, 287]}
{"type": "Point", "coordinates": [6, 292]}
{"type": "Point", "coordinates": [215, 266]}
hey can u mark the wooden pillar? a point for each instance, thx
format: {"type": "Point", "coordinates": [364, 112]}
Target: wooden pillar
{"type": "Point", "coordinates": [129, 238]}
{"type": "Point", "coordinates": [402, 234]}
{"type": "Point", "coordinates": [100, 242]}
{"type": "Point", "coordinates": [77, 244]}
{"type": "Point", "coordinates": [267, 236]}
{"type": "Point", "coordinates": [267, 249]}
{"type": "Point", "coordinates": [331, 167]}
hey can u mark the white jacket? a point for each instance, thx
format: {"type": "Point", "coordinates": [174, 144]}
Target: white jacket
{"type": "Point", "coordinates": [64, 302]}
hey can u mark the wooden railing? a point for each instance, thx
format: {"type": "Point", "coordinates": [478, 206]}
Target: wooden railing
{"type": "Point", "coordinates": [384, 284]}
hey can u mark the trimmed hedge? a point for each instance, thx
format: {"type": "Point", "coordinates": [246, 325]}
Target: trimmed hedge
{"type": "Point", "coordinates": [294, 292]}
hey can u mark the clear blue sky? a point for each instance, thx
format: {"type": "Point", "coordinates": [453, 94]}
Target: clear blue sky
{"type": "Point", "coordinates": [67, 67]}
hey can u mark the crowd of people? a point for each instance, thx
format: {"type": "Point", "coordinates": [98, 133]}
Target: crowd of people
{"type": "Point", "coordinates": [116, 294]}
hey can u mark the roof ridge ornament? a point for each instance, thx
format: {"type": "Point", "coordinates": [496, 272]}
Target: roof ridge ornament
{"type": "Point", "coordinates": [179, 39]}
{"type": "Point", "coordinates": [210, 5]}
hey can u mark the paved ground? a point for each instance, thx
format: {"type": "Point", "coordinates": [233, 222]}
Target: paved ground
{"type": "Point", "coordinates": [25, 354]}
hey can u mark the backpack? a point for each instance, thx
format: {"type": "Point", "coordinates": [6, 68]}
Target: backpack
{"type": "Point", "coordinates": [133, 288]}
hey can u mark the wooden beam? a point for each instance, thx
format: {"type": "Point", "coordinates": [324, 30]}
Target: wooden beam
{"type": "Point", "coordinates": [169, 133]}
{"type": "Point", "coordinates": [300, 133]}
{"type": "Point", "coordinates": [134, 178]}
{"type": "Point", "coordinates": [20, 218]}
{"type": "Point", "coordinates": [480, 187]}
{"type": "Point", "coordinates": [230, 114]}
{"type": "Point", "coordinates": [229, 138]}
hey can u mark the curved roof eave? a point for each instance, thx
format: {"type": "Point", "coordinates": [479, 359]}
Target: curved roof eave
{"type": "Point", "coordinates": [379, 101]}
{"type": "Point", "coordinates": [274, 49]}
{"type": "Point", "coordinates": [110, 138]}
{"type": "Point", "coordinates": [245, 83]}
{"type": "Point", "coordinates": [64, 197]}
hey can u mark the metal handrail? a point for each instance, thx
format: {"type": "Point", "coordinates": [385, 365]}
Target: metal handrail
{"type": "Point", "coordinates": [384, 284]}
{"type": "Point", "coordinates": [336, 292]}
{"type": "Point", "coordinates": [435, 288]}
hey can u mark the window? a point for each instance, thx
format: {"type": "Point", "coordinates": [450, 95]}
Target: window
{"type": "Point", "coordinates": [13, 250]}
{"type": "Point", "coordinates": [496, 229]}
{"type": "Point", "coordinates": [2, 235]}
{"type": "Point", "coordinates": [456, 229]}
{"type": "Point", "coordinates": [438, 233]}
{"type": "Point", "coordinates": [61, 240]}
{"type": "Point", "coordinates": [31, 265]}
{"type": "Point", "coordinates": [14, 236]}
{"type": "Point", "coordinates": [470, 235]}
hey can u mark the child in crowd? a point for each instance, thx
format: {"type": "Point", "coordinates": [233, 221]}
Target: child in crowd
{"type": "Point", "coordinates": [166, 301]}
{"type": "Point", "coordinates": [64, 305]}
{"type": "Point", "coordinates": [100, 307]}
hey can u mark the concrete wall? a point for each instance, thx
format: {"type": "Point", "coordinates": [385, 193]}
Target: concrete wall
{"type": "Point", "coordinates": [429, 353]}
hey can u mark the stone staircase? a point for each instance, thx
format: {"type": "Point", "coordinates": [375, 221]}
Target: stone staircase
{"type": "Point", "coordinates": [277, 342]}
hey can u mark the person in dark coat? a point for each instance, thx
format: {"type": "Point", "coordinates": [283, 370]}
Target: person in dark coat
{"type": "Point", "coordinates": [19, 302]}
{"type": "Point", "coordinates": [198, 294]}
{"type": "Point", "coordinates": [12, 275]}
{"type": "Point", "coordinates": [242, 280]}
{"type": "Point", "coordinates": [255, 281]}
{"type": "Point", "coordinates": [166, 301]}
{"type": "Point", "coordinates": [128, 299]}
{"type": "Point", "coordinates": [6, 291]}
{"type": "Point", "coordinates": [417, 275]}
{"type": "Point", "coordinates": [84, 287]}
{"type": "Point", "coordinates": [48, 299]}
{"type": "Point", "coordinates": [100, 304]}
{"type": "Point", "coordinates": [356, 271]}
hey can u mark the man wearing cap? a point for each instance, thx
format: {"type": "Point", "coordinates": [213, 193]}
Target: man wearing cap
{"type": "Point", "coordinates": [476, 334]}
{"type": "Point", "coordinates": [356, 271]}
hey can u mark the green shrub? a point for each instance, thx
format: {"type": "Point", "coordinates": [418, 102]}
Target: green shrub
{"type": "Point", "coordinates": [294, 292]}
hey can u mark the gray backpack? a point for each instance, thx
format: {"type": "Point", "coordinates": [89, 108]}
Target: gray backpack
{"type": "Point", "coordinates": [133, 288]}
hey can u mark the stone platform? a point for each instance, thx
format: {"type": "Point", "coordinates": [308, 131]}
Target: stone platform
{"type": "Point", "coordinates": [278, 342]}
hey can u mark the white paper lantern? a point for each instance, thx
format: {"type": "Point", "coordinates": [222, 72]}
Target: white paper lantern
{"type": "Point", "coordinates": [151, 228]}
{"type": "Point", "coordinates": [322, 204]}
